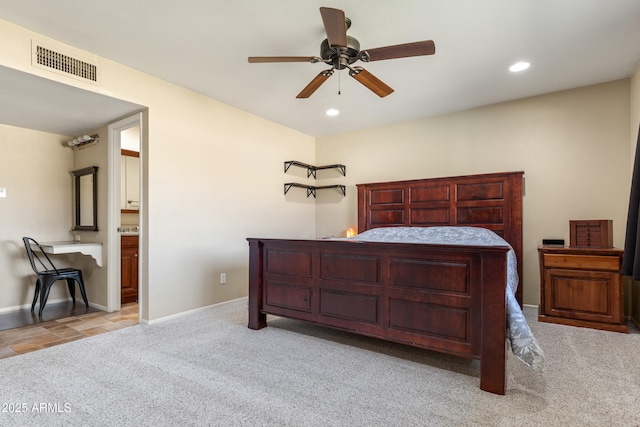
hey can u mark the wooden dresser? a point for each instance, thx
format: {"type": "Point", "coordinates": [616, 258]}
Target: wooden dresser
{"type": "Point", "coordinates": [581, 287]}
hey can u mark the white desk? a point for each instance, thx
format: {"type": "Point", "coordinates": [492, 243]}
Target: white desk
{"type": "Point", "coordinates": [92, 249]}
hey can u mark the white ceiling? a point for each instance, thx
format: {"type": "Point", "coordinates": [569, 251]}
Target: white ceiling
{"type": "Point", "coordinates": [204, 44]}
{"type": "Point", "coordinates": [33, 102]}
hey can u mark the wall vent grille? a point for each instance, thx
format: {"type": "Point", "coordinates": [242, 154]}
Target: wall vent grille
{"type": "Point", "coordinates": [54, 60]}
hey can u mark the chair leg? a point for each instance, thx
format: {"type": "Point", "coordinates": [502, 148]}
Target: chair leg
{"type": "Point", "coordinates": [72, 289]}
{"type": "Point", "coordinates": [44, 294]}
{"type": "Point", "coordinates": [82, 291]}
{"type": "Point", "coordinates": [35, 294]}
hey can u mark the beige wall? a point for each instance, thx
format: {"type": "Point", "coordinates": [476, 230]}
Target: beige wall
{"type": "Point", "coordinates": [635, 108]}
{"type": "Point", "coordinates": [634, 288]}
{"type": "Point", "coordinates": [573, 147]}
{"type": "Point", "coordinates": [95, 277]}
{"type": "Point", "coordinates": [213, 177]}
{"type": "Point", "coordinates": [34, 170]}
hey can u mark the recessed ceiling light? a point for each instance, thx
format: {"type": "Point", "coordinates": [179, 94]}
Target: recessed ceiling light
{"type": "Point", "coordinates": [332, 112]}
{"type": "Point", "coordinates": [519, 66]}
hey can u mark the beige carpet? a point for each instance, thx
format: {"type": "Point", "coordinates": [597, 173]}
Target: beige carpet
{"type": "Point", "coordinates": [207, 368]}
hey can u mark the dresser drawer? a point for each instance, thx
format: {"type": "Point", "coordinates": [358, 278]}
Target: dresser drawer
{"type": "Point", "coordinates": [583, 262]}
{"type": "Point", "coordinates": [588, 236]}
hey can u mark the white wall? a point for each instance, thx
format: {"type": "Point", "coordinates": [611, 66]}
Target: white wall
{"type": "Point", "coordinates": [573, 147]}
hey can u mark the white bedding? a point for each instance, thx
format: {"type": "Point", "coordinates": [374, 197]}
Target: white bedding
{"type": "Point", "coordinates": [523, 343]}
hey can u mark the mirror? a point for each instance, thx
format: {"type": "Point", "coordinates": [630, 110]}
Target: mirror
{"type": "Point", "coordinates": [86, 199]}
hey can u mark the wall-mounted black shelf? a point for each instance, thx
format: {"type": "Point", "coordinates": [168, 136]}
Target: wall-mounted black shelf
{"type": "Point", "coordinates": [311, 189]}
{"type": "Point", "coordinates": [311, 170]}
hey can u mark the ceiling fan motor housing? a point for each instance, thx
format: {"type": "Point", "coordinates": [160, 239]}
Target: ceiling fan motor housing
{"type": "Point", "coordinates": [333, 55]}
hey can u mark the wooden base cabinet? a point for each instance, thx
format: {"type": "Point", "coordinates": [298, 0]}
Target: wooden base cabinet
{"type": "Point", "coordinates": [581, 287]}
{"type": "Point", "coordinates": [128, 269]}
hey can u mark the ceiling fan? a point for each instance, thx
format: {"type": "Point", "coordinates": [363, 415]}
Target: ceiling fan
{"type": "Point", "coordinates": [340, 51]}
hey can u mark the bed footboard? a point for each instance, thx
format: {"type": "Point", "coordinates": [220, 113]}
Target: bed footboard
{"type": "Point", "coordinates": [439, 297]}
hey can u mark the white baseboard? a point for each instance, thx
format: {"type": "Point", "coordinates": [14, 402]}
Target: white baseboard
{"type": "Point", "coordinates": [49, 301]}
{"type": "Point", "coordinates": [98, 306]}
{"type": "Point", "coordinates": [185, 313]}
{"type": "Point", "coordinates": [28, 305]}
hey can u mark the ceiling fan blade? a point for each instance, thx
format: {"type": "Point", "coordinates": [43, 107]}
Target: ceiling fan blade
{"type": "Point", "coordinates": [335, 26]}
{"type": "Point", "coordinates": [261, 59]}
{"type": "Point", "coordinates": [315, 83]}
{"type": "Point", "coordinates": [370, 81]}
{"type": "Point", "coordinates": [406, 50]}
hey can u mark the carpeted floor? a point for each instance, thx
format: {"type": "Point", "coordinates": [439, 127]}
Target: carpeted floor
{"type": "Point", "coordinates": [208, 368]}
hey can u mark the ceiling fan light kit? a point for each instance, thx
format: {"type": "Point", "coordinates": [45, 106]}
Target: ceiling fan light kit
{"type": "Point", "coordinates": [340, 51]}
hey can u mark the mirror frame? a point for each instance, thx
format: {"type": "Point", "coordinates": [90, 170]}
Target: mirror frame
{"type": "Point", "coordinates": [77, 174]}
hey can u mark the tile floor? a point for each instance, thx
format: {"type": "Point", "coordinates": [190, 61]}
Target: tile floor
{"type": "Point", "coordinates": [47, 334]}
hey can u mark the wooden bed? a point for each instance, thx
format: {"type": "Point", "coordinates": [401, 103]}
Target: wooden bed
{"type": "Point", "coordinates": [447, 298]}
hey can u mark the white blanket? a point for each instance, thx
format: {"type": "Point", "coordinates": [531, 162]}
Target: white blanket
{"type": "Point", "coordinates": [523, 343]}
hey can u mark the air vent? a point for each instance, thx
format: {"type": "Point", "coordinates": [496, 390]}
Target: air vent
{"type": "Point", "coordinates": [53, 59]}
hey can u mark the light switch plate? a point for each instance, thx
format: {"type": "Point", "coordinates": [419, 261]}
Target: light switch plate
{"type": "Point", "coordinates": [3, 192]}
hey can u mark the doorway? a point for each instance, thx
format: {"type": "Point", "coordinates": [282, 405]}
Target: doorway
{"type": "Point", "coordinates": [126, 211]}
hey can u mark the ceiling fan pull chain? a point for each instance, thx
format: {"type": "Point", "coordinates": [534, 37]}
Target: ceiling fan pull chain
{"type": "Point", "coordinates": [339, 83]}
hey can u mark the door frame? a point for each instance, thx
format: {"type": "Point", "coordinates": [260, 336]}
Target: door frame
{"type": "Point", "coordinates": [113, 216]}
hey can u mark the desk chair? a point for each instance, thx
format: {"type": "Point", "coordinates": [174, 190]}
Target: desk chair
{"type": "Point", "coordinates": [49, 274]}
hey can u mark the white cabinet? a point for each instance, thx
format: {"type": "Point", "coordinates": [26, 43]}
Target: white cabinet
{"type": "Point", "coordinates": [129, 182]}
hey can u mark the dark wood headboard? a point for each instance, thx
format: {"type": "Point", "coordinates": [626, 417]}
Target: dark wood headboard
{"type": "Point", "coordinates": [492, 201]}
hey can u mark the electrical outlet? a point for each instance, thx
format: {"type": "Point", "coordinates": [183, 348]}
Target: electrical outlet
{"type": "Point", "coordinates": [223, 278]}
